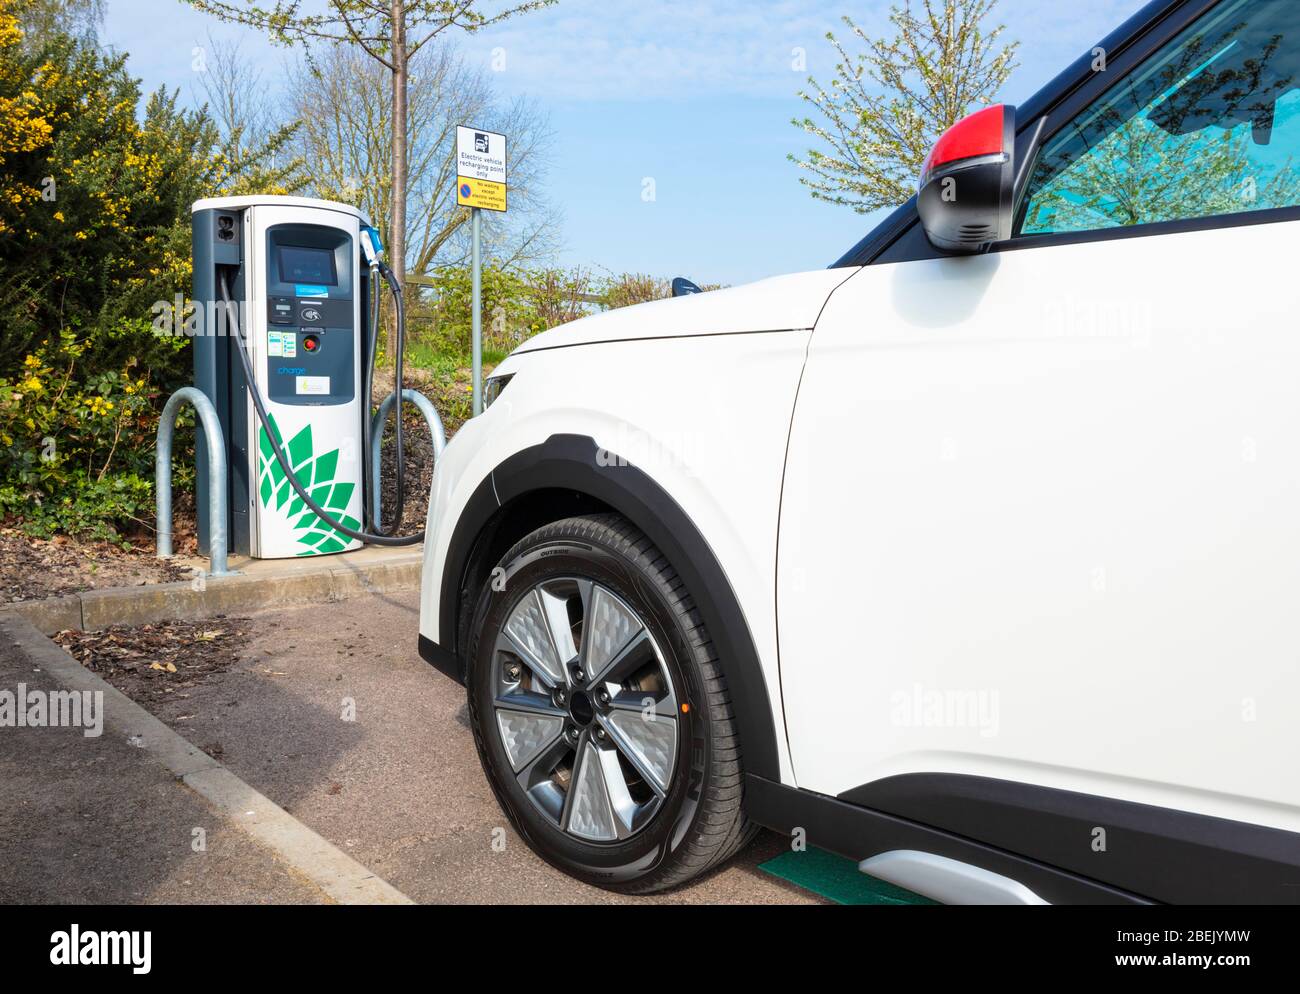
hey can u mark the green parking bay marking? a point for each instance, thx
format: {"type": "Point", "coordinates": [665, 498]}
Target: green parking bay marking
{"type": "Point", "coordinates": [837, 879]}
{"type": "Point", "coordinates": [316, 474]}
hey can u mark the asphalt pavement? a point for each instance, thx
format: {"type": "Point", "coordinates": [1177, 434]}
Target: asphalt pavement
{"type": "Point", "coordinates": [96, 820]}
{"type": "Point", "coordinates": [331, 714]}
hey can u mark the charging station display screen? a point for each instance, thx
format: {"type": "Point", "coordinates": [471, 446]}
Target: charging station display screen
{"type": "Point", "coordinates": [314, 266]}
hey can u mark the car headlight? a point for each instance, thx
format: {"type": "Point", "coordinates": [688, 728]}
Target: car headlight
{"type": "Point", "coordinates": [493, 387]}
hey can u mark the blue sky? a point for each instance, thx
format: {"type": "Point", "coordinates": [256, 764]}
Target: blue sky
{"type": "Point", "coordinates": [696, 94]}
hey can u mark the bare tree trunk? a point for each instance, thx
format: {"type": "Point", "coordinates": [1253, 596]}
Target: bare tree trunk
{"type": "Point", "coordinates": [401, 80]}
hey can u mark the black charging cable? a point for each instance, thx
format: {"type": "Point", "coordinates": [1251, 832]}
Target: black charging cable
{"type": "Point", "coordinates": [277, 446]}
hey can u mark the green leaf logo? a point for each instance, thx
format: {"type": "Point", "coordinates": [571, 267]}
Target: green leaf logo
{"type": "Point", "coordinates": [316, 475]}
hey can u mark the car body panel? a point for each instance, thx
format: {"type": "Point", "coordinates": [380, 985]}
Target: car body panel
{"type": "Point", "coordinates": [1016, 536]}
{"type": "Point", "coordinates": [781, 303]}
{"type": "Point", "coordinates": [705, 417]}
{"type": "Point", "coordinates": [1049, 501]}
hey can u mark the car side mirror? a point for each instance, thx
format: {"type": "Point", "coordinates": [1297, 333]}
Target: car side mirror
{"type": "Point", "coordinates": [966, 195]}
{"type": "Point", "coordinates": [682, 287]}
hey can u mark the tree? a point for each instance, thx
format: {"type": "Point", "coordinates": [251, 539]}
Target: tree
{"type": "Point", "coordinates": [95, 195]}
{"type": "Point", "coordinates": [42, 20]}
{"type": "Point", "coordinates": [346, 132]}
{"type": "Point", "coordinates": [254, 139]}
{"type": "Point", "coordinates": [392, 36]}
{"type": "Point", "coordinates": [888, 103]}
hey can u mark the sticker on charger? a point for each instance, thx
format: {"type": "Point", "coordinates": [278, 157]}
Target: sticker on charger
{"type": "Point", "coordinates": [311, 290]}
{"type": "Point", "coordinates": [282, 344]}
{"type": "Point", "coordinates": [314, 386]}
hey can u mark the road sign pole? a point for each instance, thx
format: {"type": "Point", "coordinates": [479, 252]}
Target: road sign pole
{"type": "Point", "coordinates": [477, 306]}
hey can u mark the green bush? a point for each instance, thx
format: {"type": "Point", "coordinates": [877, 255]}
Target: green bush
{"type": "Point", "coordinates": [95, 202]}
{"type": "Point", "coordinates": [78, 441]}
{"type": "Point", "coordinates": [89, 508]}
{"type": "Point", "coordinates": [439, 317]}
{"type": "Point", "coordinates": [517, 304]}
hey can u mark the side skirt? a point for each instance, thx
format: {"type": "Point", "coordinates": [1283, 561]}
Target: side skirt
{"type": "Point", "coordinates": [1173, 856]}
{"type": "Point", "coordinates": [858, 833]}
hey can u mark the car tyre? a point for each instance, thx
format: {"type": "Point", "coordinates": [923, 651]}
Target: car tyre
{"type": "Point", "coordinates": [600, 711]}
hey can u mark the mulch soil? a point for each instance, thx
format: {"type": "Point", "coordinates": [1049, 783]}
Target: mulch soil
{"type": "Point", "coordinates": [160, 662]}
{"type": "Point", "coordinates": [33, 568]}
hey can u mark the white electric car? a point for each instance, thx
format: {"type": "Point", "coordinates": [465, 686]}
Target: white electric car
{"type": "Point", "coordinates": [975, 557]}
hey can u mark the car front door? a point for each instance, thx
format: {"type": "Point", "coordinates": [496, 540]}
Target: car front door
{"type": "Point", "coordinates": [1041, 514]}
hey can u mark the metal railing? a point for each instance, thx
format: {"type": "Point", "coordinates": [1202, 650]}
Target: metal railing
{"type": "Point", "coordinates": [216, 448]}
{"type": "Point", "coordinates": [436, 431]}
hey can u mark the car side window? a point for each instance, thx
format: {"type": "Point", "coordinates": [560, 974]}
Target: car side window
{"type": "Point", "coordinates": [1208, 126]}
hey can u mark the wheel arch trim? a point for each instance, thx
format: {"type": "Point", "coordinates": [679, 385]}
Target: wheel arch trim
{"type": "Point", "coordinates": [576, 463]}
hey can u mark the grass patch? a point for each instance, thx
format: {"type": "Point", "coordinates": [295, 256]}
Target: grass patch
{"type": "Point", "coordinates": [430, 357]}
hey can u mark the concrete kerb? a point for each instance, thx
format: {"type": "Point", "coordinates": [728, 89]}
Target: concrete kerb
{"type": "Point", "coordinates": [55, 614]}
{"type": "Point", "coordinates": [271, 585]}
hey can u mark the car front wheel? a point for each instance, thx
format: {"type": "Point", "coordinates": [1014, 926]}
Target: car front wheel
{"type": "Point", "coordinates": [600, 711]}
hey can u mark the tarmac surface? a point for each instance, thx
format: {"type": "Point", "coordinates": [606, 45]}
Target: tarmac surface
{"type": "Point", "coordinates": [332, 715]}
{"type": "Point", "coordinates": [97, 821]}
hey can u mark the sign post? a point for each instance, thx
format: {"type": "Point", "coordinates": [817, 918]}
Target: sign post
{"type": "Point", "coordinates": [476, 304]}
{"type": "Point", "coordinates": [480, 186]}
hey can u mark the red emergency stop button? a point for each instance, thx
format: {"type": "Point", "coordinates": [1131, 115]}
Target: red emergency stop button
{"type": "Point", "coordinates": [311, 344]}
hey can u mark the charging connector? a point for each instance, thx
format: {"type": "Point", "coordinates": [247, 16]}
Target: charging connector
{"type": "Point", "coordinates": [372, 247]}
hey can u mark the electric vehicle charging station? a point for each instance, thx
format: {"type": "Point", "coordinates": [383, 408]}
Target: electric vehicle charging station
{"type": "Point", "coordinates": [286, 294]}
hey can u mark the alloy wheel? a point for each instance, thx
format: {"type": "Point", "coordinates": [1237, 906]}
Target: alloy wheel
{"type": "Point", "coordinates": [586, 709]}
